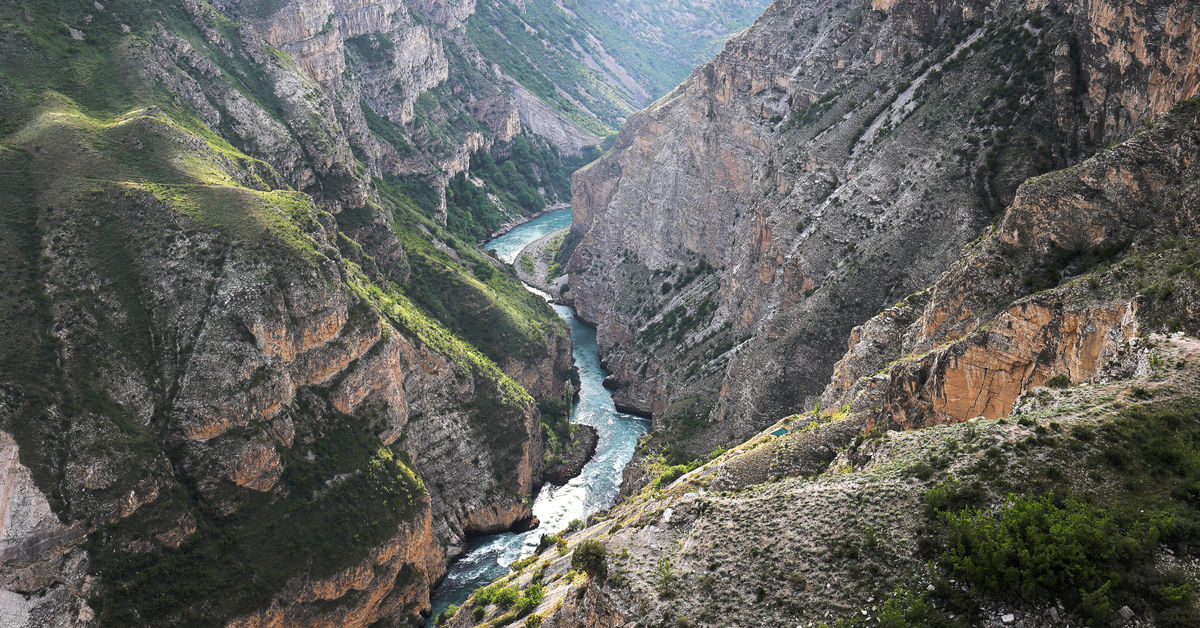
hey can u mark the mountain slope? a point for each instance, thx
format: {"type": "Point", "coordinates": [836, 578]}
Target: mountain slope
{"type": "Point", "coordinates": [228, 394]}
{"type": "Point", "coordinates": [831, 160]}
{"type": "Point", "coordinates": [1017, 445]}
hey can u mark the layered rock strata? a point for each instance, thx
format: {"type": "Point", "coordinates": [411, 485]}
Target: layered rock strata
{"type": "Point", "coordinates": [830, 161]}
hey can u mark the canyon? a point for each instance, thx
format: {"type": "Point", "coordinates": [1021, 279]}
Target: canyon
{"type": "Point", "coordinates": [830, 161]}
{"type": "Point", "coordinates": [1048, 370]}
{"type": "Point", "coordinates": [899, 286]}
{"type": "Point", "coordinates": [256, 372]}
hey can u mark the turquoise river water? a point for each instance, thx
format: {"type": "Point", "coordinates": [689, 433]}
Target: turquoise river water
{"type": "Point", "coordinates": [594, 489]}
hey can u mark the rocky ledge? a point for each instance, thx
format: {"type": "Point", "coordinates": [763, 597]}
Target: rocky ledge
{"type": "Point", "coordinates": [584, 439]}
{"type": "Point", "coordinates": [534, 261]}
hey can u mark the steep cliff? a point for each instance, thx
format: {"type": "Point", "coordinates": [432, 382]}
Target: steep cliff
{"type": "Point", "coordinates": [832, 159]}
{"type": "Point", "coordinates": [425, 89]}
{"type": "Point", "coordinates": [229, 393]}
{"type": "Point", "coordinates": [1117, 231]}
{"type": "Point", "coordinates": [1014, 446]}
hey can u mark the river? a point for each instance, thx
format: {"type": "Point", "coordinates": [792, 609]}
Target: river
{"type": "Point", "coordinates": [509, 245]}
{"type": "Point", "coordinates": [595, 489]}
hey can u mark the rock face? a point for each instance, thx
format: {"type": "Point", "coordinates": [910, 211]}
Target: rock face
{"type": "Point", "coordinates": [829, 161]}
{"type": "Point", "coordinates": [484, 67]}
{"type": "Point", "coordinates": [1040, 362]}
{"type": "Point", "coordinates": [985, 334]}
{"type": "Point", "coordinates": [42, 555]}
{"type": "Point", "coordinates": [583, 447]}
{"type": "Point", "coordinates": [221, 401]}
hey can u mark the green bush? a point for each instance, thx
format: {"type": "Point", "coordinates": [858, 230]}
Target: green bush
{"type": "Point", "coordinates": [530, 598]}
{"type": "Point", "coordinates": [672, 473]}
{"type": "Point", "coordinates": [484, 596]}
{"type": "Point", "coordinates": [547, 540]}
{"type": "Point", "coordinates": [483, 271]}
{"type": "Point", "coordinates": [664, 578]}
{"type": "Point", "coordinates": [590, 557]}
{"type": "Point", "coordinates": [1068, 549]}
{"type": "Point", "coordinates": [505, 598]}
{"type": "Point", "coordinates": [951, 495]}
{"type": "Point", "coordinates": [1059, 381]}
{"type": "Point", "coordinates": [523, 563]}
{"type": "Point", "coordinates": [903, 609]}
{"type": "Point", "coordinates": [446, 615]}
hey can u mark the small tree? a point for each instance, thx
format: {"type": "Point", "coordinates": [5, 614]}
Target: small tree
{"type": "Point", "coordinates": [446, 615]}
{"type": "Point", "coordinates": [591, 557]}
{"type": "Point", "coordinates": [506, 597]}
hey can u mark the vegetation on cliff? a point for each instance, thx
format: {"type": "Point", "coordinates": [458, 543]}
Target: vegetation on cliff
{"type": "Point", "coordinates": [232, 348]}
{"type": "Point", "coordinates": [1004, 448]}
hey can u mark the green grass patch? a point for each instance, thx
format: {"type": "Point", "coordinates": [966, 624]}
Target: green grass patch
{"type": "Point", "coordinates": [1094, 548]}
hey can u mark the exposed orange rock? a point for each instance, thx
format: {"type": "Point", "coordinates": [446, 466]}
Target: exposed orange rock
{"type": "Point", "coordinates": [257, 467]}
{"type": "Point", "coordinates": [391, 585]}
{"type": "Point", "coordinates": [984, 373]}
{"type": "Point", "coordinates": [978, 339]}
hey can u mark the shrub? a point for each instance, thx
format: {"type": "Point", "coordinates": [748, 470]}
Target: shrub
{"type": "Point", "coordinates": [574, 525]}
{"type": "Point", "coordinates": [664, 579]}
{"type": "Point", "coordinates": [533, 621]}
{"type": "Point", "coordinates": [547, 540]}
{"type": "Point", "coordinates": [506, 597]}
{"type": "Point", "coordinates": [446, 615]}
{"type": "Point", "coordinates": [530, 599]}
{"type": "Point", "coordinates": [951, 495]}
{"type": "Point", "coordinates": [483, 271]}
{"type": "Point", "coordinates": [670, 474]}
{"type": "Point", "coordinates": [487, 595]}
{"type": "Point", "coordinates": [921, 470]}
{"type": "Point", "coordinates": [591, 557]}
{"type": "Point", "coordinates": [523, 563]}
{"type": "Point", "coordinates": [1059, 381]}
{"type": "Point", "coordinates": [1035, 545]}
{"type": "Point", "coordinates": [905, 608]}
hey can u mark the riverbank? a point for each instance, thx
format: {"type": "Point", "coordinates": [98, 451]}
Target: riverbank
{"type": "Point", "coordinates": [508, 246]}
{"type": "Point", "coordinates": [533, 263]}
{"type": "Point", "coordinates": [595, 488]}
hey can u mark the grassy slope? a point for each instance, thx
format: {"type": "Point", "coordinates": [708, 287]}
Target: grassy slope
{"type": "Point", "coordinates": [659, 48]}
{"type": "Point", "coordinates": [1085, 495]}
{"type": "Point", "coordinates": [540, 45]}
{"type": "Point", "coordinates": [78, 138]}
{"type": "Point", "coordinates": [544, 61]}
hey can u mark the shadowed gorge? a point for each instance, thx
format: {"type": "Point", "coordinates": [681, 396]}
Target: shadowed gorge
{"type": "Point", "coordinates": [306, 300]}
{"type": "Point", "coordinates": [256, 370]}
